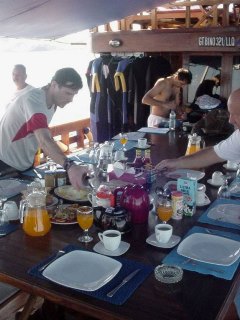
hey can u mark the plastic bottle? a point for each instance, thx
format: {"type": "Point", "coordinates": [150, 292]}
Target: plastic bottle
{"type": "Point", "coordinates": [172, 120]}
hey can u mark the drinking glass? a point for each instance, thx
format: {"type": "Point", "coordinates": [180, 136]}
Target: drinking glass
{"type": "Point", "coordinates": [223, 191]}
{"type": "Point", "coordinates": [2, 200]}
{"type": "Point", "coordinates": [123, 140]}
{"type": "Point", "coordinates": [85, 221]}
{"type": "Point", "coordinates": [164, 210]}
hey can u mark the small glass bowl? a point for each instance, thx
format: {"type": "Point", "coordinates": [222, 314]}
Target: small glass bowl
{"type": "Point", "coordinates": [168, 274]}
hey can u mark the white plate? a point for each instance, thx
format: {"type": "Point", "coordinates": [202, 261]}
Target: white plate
{"type": "Point", "coordinates": [226, 213]}
{"type": "Point", "coordinates": [123, 247]}
{"type": "Point", "coordinates": [11, 187]}
{"type": "Point", "coordinates": [229, 168]}
{"type": "Point", "coordinates": [174, 240]}
{"type": "Point", "coordinates": [172, 185]}
{"type": "Point", "coordinates": [235, 189]}
{"type": "Point", "coordinates": [146, 147]}
{"type": "Point", "coordinates": [183, 173]}
{"type": "Point", "coordinates": [70, 193]}
{"type": "Point", "coordinates": [210, 249]}
{"type": "Point", "coordinates": [205, 203]}
{"type": "Point", "coordinates": [214, 184]}
{"type": "Point", "coordinates": [82, 270]}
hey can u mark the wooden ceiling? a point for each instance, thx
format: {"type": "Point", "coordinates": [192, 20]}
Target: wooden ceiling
{"type": "Point", "coordinates": [184, 14]}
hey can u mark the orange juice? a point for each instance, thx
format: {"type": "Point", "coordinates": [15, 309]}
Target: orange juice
{"type": "Point", "coordinates": [192, 149]}
{"type": "Point", "coordinates": [85, 221]}
{"type": "Point", "coordinates": [36, 222]}
{"type": "Point", "coordinates": [123, 140]}
{"type": "Point", "coordinates": [164, 212]}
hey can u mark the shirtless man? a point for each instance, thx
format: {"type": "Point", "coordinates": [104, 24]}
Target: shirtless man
{"type": "Point", "coordinates": [165, 96]}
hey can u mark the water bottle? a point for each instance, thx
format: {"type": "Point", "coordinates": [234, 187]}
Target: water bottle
{"type": "Point", "coordinates": [172, 120]}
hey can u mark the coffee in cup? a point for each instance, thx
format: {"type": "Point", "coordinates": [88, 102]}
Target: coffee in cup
{"type": "Point", "coordinates": [111, 239]}
{"type": "Point", "coordinates": [142, 143]}
{"type": "Point", "coordinates": [217, 177]}
{"type": "Point", "coordinates": [163, 232]}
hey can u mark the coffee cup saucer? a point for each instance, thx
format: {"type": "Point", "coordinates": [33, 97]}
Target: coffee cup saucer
{"type": "Point", "coordinates": [214, 184]}
{"type": "Point", "coordinates": [204, 203]}
{"type": "Point", "coordinates": [174, 240]}
{"type": "Point", "coordinates": [147, 146]}
{"type": "Point", "coordinates": [123, 247]}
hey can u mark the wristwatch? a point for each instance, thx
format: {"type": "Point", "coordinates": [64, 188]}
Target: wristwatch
{"type": "Point", "coordinates": [67, 164]}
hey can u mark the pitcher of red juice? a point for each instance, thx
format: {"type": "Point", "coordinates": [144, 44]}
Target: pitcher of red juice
{"type": "Point", "coordinates": [34, 215]}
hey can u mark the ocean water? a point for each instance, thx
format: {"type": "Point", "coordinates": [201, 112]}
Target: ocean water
{"type": "Point", "coordinates": [41, 66]}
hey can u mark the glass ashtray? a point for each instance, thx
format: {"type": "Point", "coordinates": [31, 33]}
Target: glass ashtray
{"type": "Point", "coordinates": [168, 274]}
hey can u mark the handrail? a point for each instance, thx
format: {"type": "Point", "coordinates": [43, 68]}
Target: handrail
{"type": "Point", "coordinates": [72, 135]}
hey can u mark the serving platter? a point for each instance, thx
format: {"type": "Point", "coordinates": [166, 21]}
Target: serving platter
{"type": "Point", "coordinates": [65, 214]}
{"type": "Point", "coordinates": [68, 192]}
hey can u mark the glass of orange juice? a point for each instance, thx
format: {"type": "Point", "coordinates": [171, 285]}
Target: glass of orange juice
{"type": "Point", "coordinates": [123, 138]}
{"type": "Point", "coordinates": [85, 221]}
{"type": "Point", "coordinates": [164, 210]}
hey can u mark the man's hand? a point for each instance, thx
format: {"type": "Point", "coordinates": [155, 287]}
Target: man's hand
{"type": "Point", "coordinates": [167, 164]}
{"type": "Point", "coordinates": [77, 175]}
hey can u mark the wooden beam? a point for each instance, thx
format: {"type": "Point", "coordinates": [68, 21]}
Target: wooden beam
{"type": "Point", "coordinates": [225, 17]}
{"type": "Point", "coordinates": [188, 17]}
{"type": "Point", "coordinates": [154, 19]}
{"type": "Point", "coordinates": [204, 2]}
{"type": "Point", "coordinates": [215, 16]}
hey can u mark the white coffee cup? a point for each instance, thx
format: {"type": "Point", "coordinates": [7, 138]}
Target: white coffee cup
{"type": "Point", "coordinates": [111, 239]}
{"type": "Point", "coordinates": [163, 232]}
{"type": "Point", "coordinates": [232, 164]}
{"type": "Point", "coordinates": [217, 177]}
{"type": "Point", "coordinates": [200, 198]}
{"type": "Point", "coordinates": [103, 202]}
{"type": "Point", "coordinates": [142, 142]}
{"type": "Point", "coordinates": [11, 210]}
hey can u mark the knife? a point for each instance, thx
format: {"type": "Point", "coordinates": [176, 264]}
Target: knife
{"type": "Point", "coordinates": [125, 280]}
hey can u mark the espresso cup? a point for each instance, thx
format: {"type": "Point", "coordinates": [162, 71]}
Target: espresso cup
{"type": "Point", "coordinates": [142, 142]}
{"type": "Point", "coordinates": [163, 232]}
{"type": "Point", "coordinates": [217, 177]}
{"type": "Point", "coordinates": [232, 164]}
{"type": "Point", "coordinates": [111, 239]}
{"type": "Point", "coordinates": [103, 202]}
{"type": "Point", "coordinates": [11, 210]}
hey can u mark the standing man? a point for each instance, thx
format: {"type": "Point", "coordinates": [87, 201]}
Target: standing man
{"type": "Point", "coordinates": [24, 126]}
{"type": "Point", "coordinates": [19, 77]}
{"type": "Point", "coordinates": [165, 96]}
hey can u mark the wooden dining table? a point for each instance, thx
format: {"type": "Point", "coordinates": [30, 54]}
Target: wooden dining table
{"type": "Point", "coordinates": [196, 296]}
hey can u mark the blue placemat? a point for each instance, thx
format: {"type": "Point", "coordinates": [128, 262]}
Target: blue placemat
{"type": "Point", "coordinates": [8, 228]}
{"type": "Point", "coordinates": [224, 272]}
{"type": "Point", "coordinates": [205, 219]}
{"type": "Point", "coordinates": [124, 293]}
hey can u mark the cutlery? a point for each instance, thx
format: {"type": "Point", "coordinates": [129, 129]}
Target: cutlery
{"type": "Point", "coordinates": [56, 256]}
{"type": "Point", "coordinates": [124, 281]}
{"type": "Point", "coordinates": [37, 174]}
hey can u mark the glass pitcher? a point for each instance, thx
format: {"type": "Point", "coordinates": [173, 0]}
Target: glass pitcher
{"type": "Point", "coordinates": [34, 215]}
{"type": "Point", "coordinates": [195, 143]}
